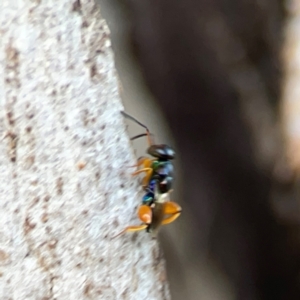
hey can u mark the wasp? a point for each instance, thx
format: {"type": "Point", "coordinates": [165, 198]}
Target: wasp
{"type": "Point", "coordinates": [159, 170]}
{"type": "Point", "coordinates": [156, 209]}
{"type": "Point", "coordinates": [161, 212]}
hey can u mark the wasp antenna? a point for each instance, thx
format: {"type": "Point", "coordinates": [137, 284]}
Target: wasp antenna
{"type": "Point", "coordinates": [138, 136]}
{"type": "Point", "coordinates": [148, 134]}
{"type": "Point", "coordinates": [141, 135]}
{"type": "Point", "coordinates": [134, 120]}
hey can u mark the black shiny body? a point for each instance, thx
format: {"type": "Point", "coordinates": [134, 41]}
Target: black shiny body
{"type": "Point", "coordinates": [163, 173]}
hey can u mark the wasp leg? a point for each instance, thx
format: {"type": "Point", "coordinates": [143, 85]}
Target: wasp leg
{"type": "Point", "coordinates": [142, 170]}
{"type": "Point", "coordinates": [145, 215]}
{"type": "Point", "coordinates": [145, 161]}
{"type": "Point", "coordinates": [146, 179]}
{"type": "Point", "coordinates": [172, 209]}
{"type": "Point", "coordinates": [132, 229]}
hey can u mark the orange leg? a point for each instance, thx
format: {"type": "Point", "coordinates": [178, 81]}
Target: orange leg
{"type": "Point", "coordinates": [145, 161]}
{"type": "Point", "coordinates": [132, 229]}
{"type": "Point", "coordinates": [142, 170]}
{"type": "Point", "coordinates": [145, 215]}
{"type": "Point", "coordinates": [146, 179]}
{"type": "Point", "coordinates": [172, 209]}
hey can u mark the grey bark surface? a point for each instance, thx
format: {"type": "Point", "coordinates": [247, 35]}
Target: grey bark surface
{"type": "Point", "coordinates": [65, 186]}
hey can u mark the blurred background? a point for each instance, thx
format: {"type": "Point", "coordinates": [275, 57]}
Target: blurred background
{"type": "Point", "coordinates": [212, 79]}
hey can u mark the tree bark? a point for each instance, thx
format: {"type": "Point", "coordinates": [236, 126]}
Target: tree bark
{"type": "Point", "coordinates": [64, 183]}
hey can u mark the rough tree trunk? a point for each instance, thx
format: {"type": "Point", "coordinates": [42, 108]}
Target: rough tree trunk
{"type": "Point", "coordinates": [64, 186]}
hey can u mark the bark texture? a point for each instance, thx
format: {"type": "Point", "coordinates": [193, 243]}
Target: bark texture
{"type": "Point", "coordinates": [64, 183]}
